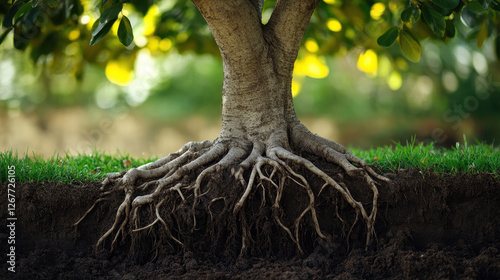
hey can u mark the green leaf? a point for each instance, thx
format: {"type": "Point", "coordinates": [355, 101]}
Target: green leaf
{"type": "Point", "coordinates": [37, 2]}
{"type": "Point", "coordinates": [434, 20]}
{"type": "Point", "coordinates": [476, 7]}
{"type": "Point", "coordinates": [58, 15]}
{"type": "Point", "coordinates": [102, 26]}
{"type": "Point", "coordinates": [48, 45]}
{"type": "Point", "coordinates": [34, 17]}
{"type": "Point", "coordinates": [111, 13]}
{"type": "Point", "coordinates": [450, 29]}
{"type": "Point", "coordinates": [20, 39]}
{"type": "Point", "coordinates": [406, 14]}
{"type": "Point", "coordinates": [388, 38]}
{"type": "Point", "coordinates": [446, 4]}
{"type": "Point", "coordinates": [68, 7]}
{"type": "Point", "coordinates": [144, 5]}
{"type": "Point", "coordinates": [77, 8]}
{"type": "Point", "coordinates": [125, 32]}
{"type": "Point", "coordinates": [103, 3]}
{"type": "Point", "coordinates": [4, 34]}
{"type": "Point", "coordinates": [24, 9]}
{"type": "Point", "coordinates": [485, 3]}
{"type": "Point", "coordinates": [52, 3]}
{"type": "Point", "coordinates": [410, 45]}
{"type": "Point", "coordinates": [99, 30]}
{"type": "Point", "coordinates": [8, 19]}
{"type": "Point", "coordinates": [482, 35]}
{"type": "Point", "coordinates": [495, 5]}
{"type": "Point", "coordinates": [410, 14]}
{"type": "Point", "coordinates": [468, 17]}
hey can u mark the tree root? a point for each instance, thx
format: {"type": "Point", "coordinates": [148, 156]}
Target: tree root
{"type": "Point", "coordinates": [270, 165]}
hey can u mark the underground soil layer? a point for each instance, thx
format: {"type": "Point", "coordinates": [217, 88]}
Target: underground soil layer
{"type": "Point", "coordinates": [429, 226]}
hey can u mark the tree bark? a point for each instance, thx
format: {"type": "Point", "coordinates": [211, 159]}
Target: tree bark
{"type": "Point", "coordinates": [258, 65]}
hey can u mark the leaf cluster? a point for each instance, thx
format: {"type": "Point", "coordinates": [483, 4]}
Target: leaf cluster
{"type": "Point", "coordinates": [111, 10]}
{"type": "Point", "coordinates": [28, 20]}
{"type": "Point", "coordinates": [46, 27]}
{"type": "Point", "coordinates": [73, 32]}
{"type": "Point", "coordinates": [438, 17]}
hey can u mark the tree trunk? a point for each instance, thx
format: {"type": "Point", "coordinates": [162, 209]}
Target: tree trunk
{"type": "Point", "coordinates": [259, 129]}
{"type": "Point", "coordinates": [258, 64]}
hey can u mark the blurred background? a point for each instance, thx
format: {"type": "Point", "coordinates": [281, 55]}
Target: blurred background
{"type": "Point", "coordinates": [150, 98]}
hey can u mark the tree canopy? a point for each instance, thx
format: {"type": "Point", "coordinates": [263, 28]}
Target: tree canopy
{"type": "Point", "coordinates": [110, 32]}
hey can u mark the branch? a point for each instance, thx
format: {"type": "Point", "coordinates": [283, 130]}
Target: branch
{"type": "Point", "coordinates": [287, 26]}
{"type": "Point", "coordinates": [236, 27]}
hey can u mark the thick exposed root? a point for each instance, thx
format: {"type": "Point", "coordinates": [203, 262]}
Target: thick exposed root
{"type": "Point", "coordinates": [268, 166]}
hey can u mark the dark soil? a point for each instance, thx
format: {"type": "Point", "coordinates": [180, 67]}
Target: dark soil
{"type": "Point", "coordinates": [429, 226]}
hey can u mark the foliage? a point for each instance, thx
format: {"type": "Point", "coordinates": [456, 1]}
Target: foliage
{"type": "Point", "coordinates": [463, 158]}
{"type": "Point", "coordinates": [438, 16]}
{"type": "Point", "coordinates": [49, 26]}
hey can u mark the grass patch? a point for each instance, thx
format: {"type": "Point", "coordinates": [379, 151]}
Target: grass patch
{"type": "Point", "coordinates": [68, 168]}
{"type": "Point", "coordinates": [464, 158]}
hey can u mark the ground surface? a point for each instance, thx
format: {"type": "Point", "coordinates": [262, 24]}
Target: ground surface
{"type": "Point", "coordinates": [429, 227]}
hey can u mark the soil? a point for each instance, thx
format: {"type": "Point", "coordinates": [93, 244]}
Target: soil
{"type": "Point", "coordinates": [429, 226]}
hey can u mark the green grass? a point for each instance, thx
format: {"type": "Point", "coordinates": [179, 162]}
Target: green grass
{"type": "Point", "coordinates": [68, 168]}
{"type": "Point", "coordinates": [464, 158]}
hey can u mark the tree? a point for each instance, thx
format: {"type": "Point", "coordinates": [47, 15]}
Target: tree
{"type": "Point", "coordinates": [262, 143]}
